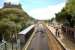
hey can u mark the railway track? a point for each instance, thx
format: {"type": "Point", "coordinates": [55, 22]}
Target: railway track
{"type": "Point", "coordinates": [43, 39]}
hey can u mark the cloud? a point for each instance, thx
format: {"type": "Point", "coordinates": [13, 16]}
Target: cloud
{"type": "Point", "coordinates": [46, 13]}
{"type": "Point", "coordinates": [40, 13]}
{"type": "Point", "coordinates": [12, 1]}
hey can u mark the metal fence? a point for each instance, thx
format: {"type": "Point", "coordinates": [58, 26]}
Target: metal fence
{"type": "Point", "coordinates": [69, 33]}
{"type": "Point", "coordinates": [10, 46]}
{"type": "Point", "coordinates": [3, 46]}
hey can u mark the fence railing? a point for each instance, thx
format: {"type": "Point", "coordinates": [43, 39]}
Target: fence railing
{"type": "Point", "coordinates": [69, 32]}
{"type": "Point", "coordinates": [8, 46]}
{"type": "Point", "coordinates": [3, 45]}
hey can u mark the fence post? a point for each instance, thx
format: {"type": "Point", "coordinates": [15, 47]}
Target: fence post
{"type": "Point", "coordinates": [5, 46]}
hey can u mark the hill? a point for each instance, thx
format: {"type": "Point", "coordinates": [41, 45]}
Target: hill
{"type": "Point", "coordinates": [12, 20]}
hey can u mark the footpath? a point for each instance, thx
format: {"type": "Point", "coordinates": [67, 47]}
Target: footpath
{"type": "Point", "coordinates": [66, 43]}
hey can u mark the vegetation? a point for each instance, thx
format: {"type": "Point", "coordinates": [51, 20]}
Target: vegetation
{"type": "Point", "coordinates": [12, 21]}
{"type": "Point", "coordinates": [67, 14]}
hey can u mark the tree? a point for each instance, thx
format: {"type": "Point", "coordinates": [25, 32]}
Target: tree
{"type": "Point", "coordinates": [67, 13]}
{"type": "Point", "coordinates": [13, 20]}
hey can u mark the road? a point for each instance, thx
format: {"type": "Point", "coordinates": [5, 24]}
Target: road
{"type": "Point", "coordinates": [40, 40]}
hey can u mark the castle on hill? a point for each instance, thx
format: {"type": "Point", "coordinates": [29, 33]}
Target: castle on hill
{"type": "Point", "coordinates": [9, 5]}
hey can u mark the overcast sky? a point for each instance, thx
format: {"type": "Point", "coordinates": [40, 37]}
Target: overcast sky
{"type": "Point", "coordinates": [39, 9]}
